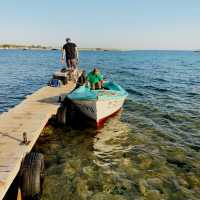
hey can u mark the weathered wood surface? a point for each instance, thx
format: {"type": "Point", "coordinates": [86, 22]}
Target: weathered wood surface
{"type": "Point", "coordinates": [30, 116]}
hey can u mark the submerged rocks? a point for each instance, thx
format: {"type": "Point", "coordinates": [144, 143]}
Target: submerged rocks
{"type": "Point", "coordinates": [145, 161]}
{"type": "Point", "coordinates": [71, 168]}
{"type": "Point", "coordinates": [147, 188]}
{"type": "Point", "coordinates": [194, 181]}
{"type": "Point", "coordinates": [89, 171]}
{"type": "Point", "coordinates": [150, 170]}
{"type": "Point", "coordinates": [82, 188]}
{"type": "Point", "coordinates": [143, 186]}
{"type": "Point", "coordinates": [153, 195]}
{"type": "Point", "coordinates": [106, 196]}
{"type": "Point", "coordinates": [156, 183]}
{"type": "Point", "coordinates": [127, 166]}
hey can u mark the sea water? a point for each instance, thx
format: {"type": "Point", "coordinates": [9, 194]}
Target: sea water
{"type": "Point", "coordinates": [149, 150]}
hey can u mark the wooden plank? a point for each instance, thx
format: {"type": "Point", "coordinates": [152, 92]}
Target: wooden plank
{"type": "Point", "coordinates": [29, 116]}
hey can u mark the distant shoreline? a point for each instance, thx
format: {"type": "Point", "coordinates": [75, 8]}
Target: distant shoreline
{"type": "Point", "coordinates": [48, 48]}
{"type": "Point", "coordinates": [23, 47]}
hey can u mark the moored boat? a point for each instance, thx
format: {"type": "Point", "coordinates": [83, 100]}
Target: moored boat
{"type": "Point", "coordinates": [99, 104]}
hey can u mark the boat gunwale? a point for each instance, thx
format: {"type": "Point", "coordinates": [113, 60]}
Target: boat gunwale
{"type": "Point", "coordinates": [121, 93]}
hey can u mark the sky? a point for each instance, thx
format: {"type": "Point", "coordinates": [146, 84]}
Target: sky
{"type": "Point", "coordinates": [124, 24]}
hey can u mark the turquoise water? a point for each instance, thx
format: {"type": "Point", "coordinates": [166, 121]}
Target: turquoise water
{"type": "Point", "coordinates": [150, 150]}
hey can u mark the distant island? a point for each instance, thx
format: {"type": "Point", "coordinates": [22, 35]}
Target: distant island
{"type": "Point", "coordinates": [98, 49]}
{"type": "Point", "coordinates": [16, 46]}
{"type": "Point", "coordinates": [40, 47]}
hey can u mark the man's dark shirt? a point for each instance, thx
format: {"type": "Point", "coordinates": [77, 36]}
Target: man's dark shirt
{"type": "Point", "coordinates": [70, 50]}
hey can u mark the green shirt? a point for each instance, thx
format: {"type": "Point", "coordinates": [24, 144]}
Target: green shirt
{"type": "Point", "coordinates": [94, 78]}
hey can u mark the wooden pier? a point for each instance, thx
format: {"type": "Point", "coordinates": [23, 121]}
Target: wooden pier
{"type": "Point", "coordinates": [29, 117]}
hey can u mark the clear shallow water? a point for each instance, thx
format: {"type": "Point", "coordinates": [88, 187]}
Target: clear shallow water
{"type": "Point", "coordinates": [148, 151]}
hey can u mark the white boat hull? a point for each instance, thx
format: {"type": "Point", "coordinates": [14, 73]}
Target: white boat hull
{"type": "Point", "coordinates": [98, 110]}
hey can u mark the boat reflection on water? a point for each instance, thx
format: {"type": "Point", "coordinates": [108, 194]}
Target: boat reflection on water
{"type": "Point", "coordinates": [110, 141]}
{"type": "Point", "coordinates": [110, 137]}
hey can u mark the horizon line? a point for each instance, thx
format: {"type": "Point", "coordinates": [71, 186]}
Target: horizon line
{"type": "Point", "coordinates": [21, 45]}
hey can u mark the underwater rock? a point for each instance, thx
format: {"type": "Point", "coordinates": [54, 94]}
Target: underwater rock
{"type": "Point", "coordinates": [82, 188]}
{"type": "Point", "coordinates": [126, 165]}
{"type": "Point", "coordinates": [184, 194]}
{"type": "Point", "coordinates": [69, 171]}
{"type": "Point", "coordinates": [155, 183]}
{"type": "Point", "coordinates": [194, 181]}
{"type": "Point", "coordinates": [127, 185]}
{"type": "Point", "coordinates": [195, 147]}
{"type": "Point", "coordinates": [176, 162]}
{"type": "Point", "coordinates": [108, 184]}
{"type": "Point", "coordinates": [142, 186]}
{"type": "Point", "coordinates": [105, 196]}
{"type": "Point", "coordinates": [183, 182]}
{"type": "Point", "coordinates": [126, 162]}
{"type": "Point", "coordinates": [165, 172]}
{"type": "Point", "coordinates": [175, 185]}
{"type": "Point", "coordinates": [146, 163]}
{"type": "Point", "coordinates": [177, 154]}
{"type": "Point", "coordinates": [179, 158]}
{"type": "Point", "coordinates": [53, 188]}
{"type": "Point", "coordinates": [121, 190]}
{"type": "Point", "coordinates": [153, 195]}
{"type": "Point", "coordinates": [139, 198]}
{"type": "Point", "coordinates": [72, 168]}
{"type": "Point", "coordinates": [88, 171]}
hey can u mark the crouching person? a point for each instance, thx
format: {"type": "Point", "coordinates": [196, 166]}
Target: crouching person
{"type": "Point", "coordinates": [95, 78]}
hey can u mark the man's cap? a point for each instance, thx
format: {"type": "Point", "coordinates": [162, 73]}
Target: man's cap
{"type": "Point", "coordinates": [68, 39]}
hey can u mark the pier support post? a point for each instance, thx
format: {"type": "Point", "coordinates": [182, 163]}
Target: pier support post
{"type": "Point", "coordinates": [62, 115]}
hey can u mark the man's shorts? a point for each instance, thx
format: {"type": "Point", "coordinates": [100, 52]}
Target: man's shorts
{"type": "Point", "coordinates": [71, 63]}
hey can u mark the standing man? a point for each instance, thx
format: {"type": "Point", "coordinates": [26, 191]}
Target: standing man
{"type": "Point", "coordinates": [70, 52]}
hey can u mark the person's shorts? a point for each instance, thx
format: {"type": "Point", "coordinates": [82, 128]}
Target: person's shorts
{"type": "Point", "coordinates": [71, 63]}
